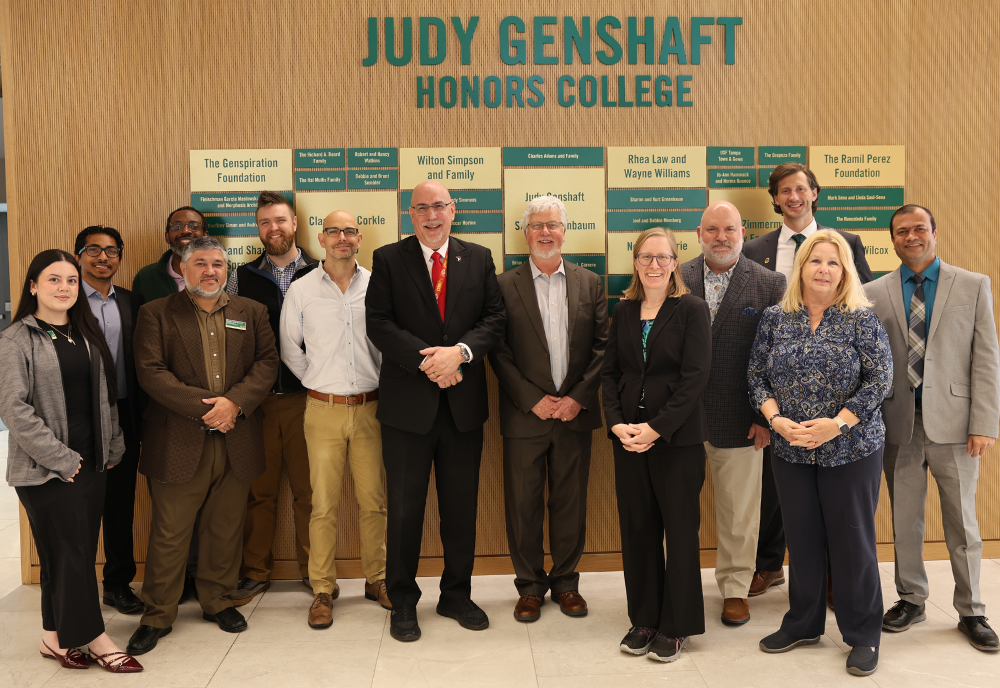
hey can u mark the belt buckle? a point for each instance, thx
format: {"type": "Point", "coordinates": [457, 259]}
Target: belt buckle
{"type": "Point", "coordinates": [348, 398]}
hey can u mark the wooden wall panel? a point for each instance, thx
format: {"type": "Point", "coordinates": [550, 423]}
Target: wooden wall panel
{"type": "Point", "coordinates": [104, 99]}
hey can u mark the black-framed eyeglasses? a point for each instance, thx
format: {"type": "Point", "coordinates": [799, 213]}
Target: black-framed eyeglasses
{"type": "Point", "coordinates": [663, 260]}
{"type": "Point", "coordinates": [178, 226]}
{"type": "Point", "coordinates": [94, 251]}
{"type": "Point", "coordinates": [423, 208]}
{"type": "Point", "coordinates": [347, 231]}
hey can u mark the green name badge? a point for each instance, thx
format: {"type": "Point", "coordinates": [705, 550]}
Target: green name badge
{"type": "Point", "coordinates": [236, 325]}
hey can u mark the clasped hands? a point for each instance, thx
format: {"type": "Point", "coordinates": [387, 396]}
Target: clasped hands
{"type": "Point", "coordinates": [442, 365]}
{"type": "Point", "coordinates": [635, 437]}
{"type": "Point", "coordinates": [222, 417]}
{"type": "Point", "coordinates": [560, 408]}
{"type": "Point", "coordinates": [809, 433]}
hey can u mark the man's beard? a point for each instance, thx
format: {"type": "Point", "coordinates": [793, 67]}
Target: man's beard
{"type": "Point", "coordinates": [203, 293]}
{"type": "Point", "coordinates": [282, 247]}
{"type": "Point", "coordinates": [712, 257]}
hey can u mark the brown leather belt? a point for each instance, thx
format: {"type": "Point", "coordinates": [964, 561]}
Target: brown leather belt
{"type": "Point", "coordinates": [353, 400]}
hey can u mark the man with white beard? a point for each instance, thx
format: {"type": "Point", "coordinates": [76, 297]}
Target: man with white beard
{"type": "Point", "coordinates": [737, 291]}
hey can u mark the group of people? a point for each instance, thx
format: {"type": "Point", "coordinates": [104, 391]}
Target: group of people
{"type": "Point", "coordinates": [772, 361]}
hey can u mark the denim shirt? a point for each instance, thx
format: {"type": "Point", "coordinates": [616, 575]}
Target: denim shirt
{"type": "Point", "coordinates": [845, 363]}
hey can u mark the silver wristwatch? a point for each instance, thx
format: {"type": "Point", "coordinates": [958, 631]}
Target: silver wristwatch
{"type": "Point", "coordinates": [844, 427]}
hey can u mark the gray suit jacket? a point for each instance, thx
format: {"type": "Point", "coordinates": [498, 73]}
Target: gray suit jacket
{"type": "Point", "coordinates": [752, 288]}
{"type": "Point", "coordinates": [521, 357]}
{"type": "Point", "coordinates": [961, 394]}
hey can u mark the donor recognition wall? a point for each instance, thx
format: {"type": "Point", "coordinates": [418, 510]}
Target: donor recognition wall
{"type": "Point", "coordinates": [636, 113]}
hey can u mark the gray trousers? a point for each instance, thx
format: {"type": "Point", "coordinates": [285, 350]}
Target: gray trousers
{"type": "Point", "coordinates": [563, 456]}
{"type": "Point", "coordinates": [956, 474]}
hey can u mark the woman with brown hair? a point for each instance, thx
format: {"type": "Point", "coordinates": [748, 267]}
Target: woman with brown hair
{"type": "Point", "coordinates": [59, 391]}
{"type": "Point", "coordinates": [655, 370]}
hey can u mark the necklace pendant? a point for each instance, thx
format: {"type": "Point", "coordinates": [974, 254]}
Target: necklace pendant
{"type": "Point", "coordinates": [70, 340]}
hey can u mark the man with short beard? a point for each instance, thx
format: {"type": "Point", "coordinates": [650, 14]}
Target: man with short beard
{"type": "Point", "coordinates": [737, 291]}
{"type": "Point", "coordinates": [207, 360]}
{"type": "Point", "coordinates": [266, 280]}
{"type": "Point", "coordinates": [163, 277]}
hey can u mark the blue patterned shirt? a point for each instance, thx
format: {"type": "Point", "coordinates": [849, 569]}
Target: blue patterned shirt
{"type": "Point", "coordinates": [846, 363]}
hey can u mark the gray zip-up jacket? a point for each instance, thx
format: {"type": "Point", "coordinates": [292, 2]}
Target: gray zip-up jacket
{"type": "Point", "coordinates": [33, 407]}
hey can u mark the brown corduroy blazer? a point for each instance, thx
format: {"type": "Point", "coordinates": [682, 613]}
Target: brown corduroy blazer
{"type": "Point", "coordinates": [170, 367]}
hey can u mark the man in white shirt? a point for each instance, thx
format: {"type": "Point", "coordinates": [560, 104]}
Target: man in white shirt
{"type": "Point", "coordinates": [794, 190]}
{"type": "Point", "coordinates": [325, 344]}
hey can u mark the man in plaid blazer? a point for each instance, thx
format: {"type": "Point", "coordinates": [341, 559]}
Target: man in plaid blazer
{"type": "Point", "coordinates": [737, 291]}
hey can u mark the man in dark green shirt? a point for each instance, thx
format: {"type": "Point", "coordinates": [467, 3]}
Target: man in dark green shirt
{"type": "Point", "coordinates": [163, 277]}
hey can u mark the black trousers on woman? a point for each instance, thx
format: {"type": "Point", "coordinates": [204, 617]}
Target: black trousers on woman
{"type": "Point", "coordinates": [65, 520]}
{"type": "Point", "coordinates": [658, 495]}
{"type": "Point", "coordinates": [832, 509]}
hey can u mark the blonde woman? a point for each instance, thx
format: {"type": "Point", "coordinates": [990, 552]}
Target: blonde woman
{"type": "Point", "coordinates": [819, 369]}
{"type": "Point", "coordinates": [655, 370]}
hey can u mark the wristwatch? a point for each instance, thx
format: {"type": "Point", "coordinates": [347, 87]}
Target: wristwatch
{"type": "Point", "coordinates": [771, 420]}
{"type": "Point", "coordinates": [844, 427]}
{"type": "Point", "coordinates": [466, 352]}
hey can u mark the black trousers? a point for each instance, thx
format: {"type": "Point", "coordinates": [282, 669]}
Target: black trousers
{"type": "Point", "coordinates": [771, 538]}
{"type": "Point", "coordinates": [119, 507]}
{"type": "Point", "coordinates": [408, 458]}
{"type": "Point", "coordinates": [563, 456]}
{"type": "Point", "coordinates": [832, 509]}
{"type": "Point", "coordinates": [658, 496]}
{"type": "Point", "coordinates": [65, 521]}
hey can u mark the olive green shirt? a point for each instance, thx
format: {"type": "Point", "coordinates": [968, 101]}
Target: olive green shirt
{"type": "Point", "coordinates": [213, 342]}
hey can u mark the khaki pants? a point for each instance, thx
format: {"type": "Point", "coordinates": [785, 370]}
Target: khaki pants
{"type": "Point", "coordinates": [284, 447]}
{"type": "Point", "coordinates": [338, 434]}
{"type": "Point", "coordinates": [222, 498]}
{"type": "Point", "coordinates": [736, 476]}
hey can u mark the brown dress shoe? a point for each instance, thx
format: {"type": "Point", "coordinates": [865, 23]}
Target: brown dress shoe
{"type": "Point", "coordinates": [321, 611]}
{"type": "Point", "coordinates": [571, 603]}
{"type": "Point", "coordinates": [376, 591]}
{"type": "Point", "coordinates": [762, 580]}
{"type": "Point", "coordinates": [528, 607]}
{"type": "Point", "coordinates": [735, 611]}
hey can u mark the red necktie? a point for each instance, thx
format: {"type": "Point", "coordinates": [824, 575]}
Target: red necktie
{"type": "Point", "coordinates": [439, 278]}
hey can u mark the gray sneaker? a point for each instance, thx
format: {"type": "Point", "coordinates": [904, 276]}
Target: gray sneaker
{"type": "Point", "coordinates": [247, 590]}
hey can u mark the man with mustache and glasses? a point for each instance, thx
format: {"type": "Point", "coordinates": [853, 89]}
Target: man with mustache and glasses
{"type": "Point", "coordinates": [549, 366]}
{"type": "Point", "coordinates": [324, 342]}
{"type": "Point", "coordinates": [163, 277]}
{"type": "Point", "coordinates": [267, 280]}
{"type": "Point", "coordinates": [434, 311]}
{"type": "Point", "coordinates": [737, 291]}
{"type": "Point", "coordinates": [207, 361]}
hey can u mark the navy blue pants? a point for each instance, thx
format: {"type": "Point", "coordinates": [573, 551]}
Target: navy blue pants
{"type": "Point", "coordinates": [832, 509]}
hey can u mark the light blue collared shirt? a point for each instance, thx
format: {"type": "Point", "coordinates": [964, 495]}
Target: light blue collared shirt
{"type": "Point", "coordinates": [931, 274]}
{"type": "Point", "coordinates": [110, 319]}
{"type": "Point", "coordinates": [554, 307]}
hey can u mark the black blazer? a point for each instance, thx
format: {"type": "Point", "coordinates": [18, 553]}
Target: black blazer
{"type": "Point", "coordinates": [727, 401]}
{"type": "Point", "coordinates": [764, 251]}
{"type": "Point", "coordinates": [128, 311]}
{"type": "Point", "coordinates": [674, 377]}
{"type": "Point", "coordinates": [402, 318]}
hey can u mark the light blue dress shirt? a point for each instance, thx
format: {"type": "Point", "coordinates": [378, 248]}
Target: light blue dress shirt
{"type": "Point", "coordinates": [554, 307]}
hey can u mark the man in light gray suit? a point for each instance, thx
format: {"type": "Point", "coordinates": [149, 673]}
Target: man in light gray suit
{"type": "Point", "coordinates": [939, 319]}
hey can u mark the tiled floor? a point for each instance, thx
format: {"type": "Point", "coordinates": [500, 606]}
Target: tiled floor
{"type": "Point", "coordinates": [279, 649]}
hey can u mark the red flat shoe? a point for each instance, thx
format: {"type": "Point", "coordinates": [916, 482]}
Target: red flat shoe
{"type": "Point", "coordinates": [73, 659]}
{"type": "Point", "coordinates": [117, 662]}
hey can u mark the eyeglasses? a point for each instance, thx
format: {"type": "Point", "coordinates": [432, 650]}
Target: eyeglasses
{"type": "Point", "coordinates": [178, 226]}
{"type": "Point", "coordinates": [538, 226]}
{"type": "Point", "coordinates": [94, 251]}
{"type": "Point", "coordinates": [423, 208]}
{"type": "Point", "coordinates": [663, 260]}
{"type": "Point", "coordinates": [347, 232]}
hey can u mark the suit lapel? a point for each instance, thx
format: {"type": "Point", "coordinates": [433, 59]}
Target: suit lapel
{"type": "Point", "coordinates": [234, 341]}
{"type": "Point", "coordinates": [529, 299]}
{"type": "Point", "coordinates": [633, 328]}
{"type": "Point", "coordinates": [771, 259]}
{"type": "Point", "coordinates": [894, 284]}
{"type": "Point", "coordinates": [186, 322]}
{"type": "Point", "coordinates": [413, 259]}
{"type": "Point", "coordinates": [697, 284]}
{"type": "Point", "coordinates": [663, 316]}
{"type": "Point", "coordinates": [946, 280]}
{"type": "Point", "coordinates": [573, 283]}
{"type": "Point", "coordinates": [458, 268]}
{"type": "Point", "coordinates": [737, 282]}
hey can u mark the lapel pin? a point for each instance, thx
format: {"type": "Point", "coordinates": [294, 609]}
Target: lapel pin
{"type": "Point", "coordinates": [767, 260]}
{"type": "Point", "coordinates": [458, 258]}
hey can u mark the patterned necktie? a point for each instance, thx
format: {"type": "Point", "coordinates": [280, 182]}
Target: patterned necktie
{"type": "Point", "coordinates": [916, 339]}
{"type": "Point", "coordinates": [438, 279]}
{"type": "Point", "coordinates": [798, 238]}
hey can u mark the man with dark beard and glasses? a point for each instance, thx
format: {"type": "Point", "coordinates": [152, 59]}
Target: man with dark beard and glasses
{"type": "Point", "coordinates": [737, 291]}
{"type": "Point", "coordinates": [266, 280]}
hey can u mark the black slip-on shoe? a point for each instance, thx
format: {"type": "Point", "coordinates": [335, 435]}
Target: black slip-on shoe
{"type": "Point", "coordinates": [145, 638]}
{"type": "Point", "coordinates": [863, 661]}
{"type": "Point", "coordinates": [780, 641]}
{"type": "Point", "coordinates": [403, 624]}
{"type": "Point", "coordinates": [229, 619]}
{"type": "Point", "coordinates": [466, 612]}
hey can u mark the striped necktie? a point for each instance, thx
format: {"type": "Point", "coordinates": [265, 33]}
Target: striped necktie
{"type": "Point", "coordinates": [916, 339]}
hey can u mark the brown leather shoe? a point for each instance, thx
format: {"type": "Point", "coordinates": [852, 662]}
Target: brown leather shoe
{"type": "Point", "coordinates": [762, 580]}
{"type": "Point", "coordinates": [735, 611]}
{"type": "Point", "coordinates": [321, 611]}
{"type": "Point", "coordinates": [376, 591]}
{"type": "Point", "coordinates": [528, 607]}
{"type": "Point", "coordinates": [571, 603]}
